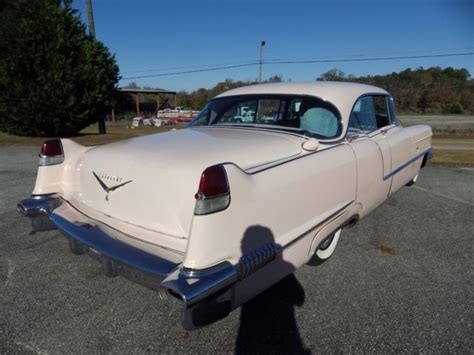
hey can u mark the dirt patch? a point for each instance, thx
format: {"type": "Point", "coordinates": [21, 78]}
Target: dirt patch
{"type": "Point", "coordinates": [385, 250]}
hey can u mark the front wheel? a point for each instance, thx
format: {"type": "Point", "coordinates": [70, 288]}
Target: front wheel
{"type": "Point", "coordinates": [325, 248]}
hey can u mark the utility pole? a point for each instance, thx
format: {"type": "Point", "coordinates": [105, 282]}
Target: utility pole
{"type": "Point", "coordinates": [262, 44]}
{"type": "Point", "coordinates": [91, 26]}
{"type": "Point", "coordinates": [90, 18]}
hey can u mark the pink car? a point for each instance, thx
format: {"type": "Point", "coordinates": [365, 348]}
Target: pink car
{"type": "Point", "coordinates": [223, 209]}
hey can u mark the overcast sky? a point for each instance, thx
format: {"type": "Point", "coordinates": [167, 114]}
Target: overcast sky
{"type": "Point", "coordinates": [151, 37]}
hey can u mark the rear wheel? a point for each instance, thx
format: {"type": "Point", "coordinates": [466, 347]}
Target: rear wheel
{"type": "Point", "coordinates": [413, 181]}
{"type": "Point", "coordinates": [325, 248]}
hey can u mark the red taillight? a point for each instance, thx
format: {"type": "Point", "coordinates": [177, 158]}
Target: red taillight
{"type": "Point", "coordinates": [214, 193]}
{"type": "Point", "coordinates": [51, 152]}
{"type": "Point", "coordinates": [213, 182]}
{"type": "Point", "coordinates": [51, 147]}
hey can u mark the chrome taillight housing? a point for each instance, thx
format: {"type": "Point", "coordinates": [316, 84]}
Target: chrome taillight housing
{"type": "Point", "coordinates": [51, 153]}
{"type": "Point", "coordinates": [214, 193]}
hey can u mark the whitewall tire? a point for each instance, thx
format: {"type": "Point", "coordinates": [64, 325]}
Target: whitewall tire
{"type": "Point", "coordinates": [325, 248]}
{"type": "Point", "coordinates": [413, 181]}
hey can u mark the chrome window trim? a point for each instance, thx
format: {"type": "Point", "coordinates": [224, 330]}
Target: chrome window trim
{"type": "Point", "coordinates": [378, 131]}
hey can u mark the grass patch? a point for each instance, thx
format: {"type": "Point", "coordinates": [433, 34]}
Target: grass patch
{"type": "Point", "coordinates": [450, 157]}
{"type": "Point", "coordinates": [89, 135]}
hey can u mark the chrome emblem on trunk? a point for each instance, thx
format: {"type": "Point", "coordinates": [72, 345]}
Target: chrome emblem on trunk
{"type": "Point", "coordinates": [106, 188]}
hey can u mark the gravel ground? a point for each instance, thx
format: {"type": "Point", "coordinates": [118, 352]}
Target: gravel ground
{"type": "Point", "coordinates": [400, 281]}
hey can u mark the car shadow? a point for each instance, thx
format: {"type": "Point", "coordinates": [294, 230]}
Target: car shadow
{"type": "Point", "coordinates": [267, 322]}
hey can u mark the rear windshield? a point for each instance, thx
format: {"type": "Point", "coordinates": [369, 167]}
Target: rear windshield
{"type": "Point", "coordinates": [306, 115]}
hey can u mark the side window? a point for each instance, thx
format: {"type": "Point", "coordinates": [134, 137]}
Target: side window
{"type": "Point", "coordinates": [370, 113]}
{"type": "Point", "coordinates": [241, 112]}
{"type": "Point", "coordinates": [381, 111]}
{"type": "Point", "coordinates": [293, 113]}
{"type": "Point", "coordinates": [269, 110]}
{"type": "Point", "coordinates": [362, 118]}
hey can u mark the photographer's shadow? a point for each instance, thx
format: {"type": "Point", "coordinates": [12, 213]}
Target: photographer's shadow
{"type": "Point", "coordinates": [267, 322]}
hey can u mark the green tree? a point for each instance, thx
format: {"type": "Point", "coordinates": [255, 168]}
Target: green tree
{"type": "Point", "coordinates": [54, 79]}
{"type": "Point", "coordinates": [431, 90]}
{"type": "Point", "coordinates": [332, 75]}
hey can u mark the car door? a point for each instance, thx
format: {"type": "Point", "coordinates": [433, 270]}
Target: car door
{"type": "Point", "coordinates": [400, 142]}
{"type": "Point", "coordinates": [367, 138]}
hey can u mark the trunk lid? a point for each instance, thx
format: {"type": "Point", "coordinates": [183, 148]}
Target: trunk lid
{"type": "Point", "coordinates": [150, 181]}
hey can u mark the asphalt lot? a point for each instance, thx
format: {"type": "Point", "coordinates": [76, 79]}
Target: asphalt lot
{"type": "Point", "coordinates": [400, 281]}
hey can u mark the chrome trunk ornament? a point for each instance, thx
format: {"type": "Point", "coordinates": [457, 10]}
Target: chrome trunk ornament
{"type": "Point", "coordinates": [108, 189]}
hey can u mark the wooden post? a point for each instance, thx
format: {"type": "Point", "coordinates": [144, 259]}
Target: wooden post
{"type": "Point", "coordinates": [113, 114]}
{"type": "Point", "coordinates": [137, 104]}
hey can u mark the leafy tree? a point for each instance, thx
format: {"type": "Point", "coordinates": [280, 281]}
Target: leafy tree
{"type": "Point", "coordinates": [332, 75]}
{"type": "Point", "coordinates": [54, 79]}
{"type": "Point", "coordinates": [432, 90]}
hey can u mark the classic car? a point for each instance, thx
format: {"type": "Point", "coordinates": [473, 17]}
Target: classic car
{"type": "Point", "coordinates": [223, 209]}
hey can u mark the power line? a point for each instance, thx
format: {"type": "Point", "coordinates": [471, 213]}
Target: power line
{"type": "Point", "coordinates": [194, 71]}
{"type": "Point", "coordinates": [375, 54]}
{"type": "Point", "coordinates": [370, 59]}
{"type": "Point", "coordinates": [298, 58]}
{"type": "Point", "coordinates": [189, 67]}
{"type": "Point", "coordinates": [342, 60]}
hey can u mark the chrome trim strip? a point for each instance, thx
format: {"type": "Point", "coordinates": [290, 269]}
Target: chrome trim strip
{"type": "Point", "coordinates": [333, 215]}
{"type": "Point", "coordinates": [250, 263]}
{"type": "Point", "coordinates": [268, 166]}
{"type": "Point", "coordinates": [404, 165]}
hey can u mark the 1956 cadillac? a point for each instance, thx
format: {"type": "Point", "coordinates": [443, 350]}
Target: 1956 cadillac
{"type": "Point", "coordinates": [225, 208]}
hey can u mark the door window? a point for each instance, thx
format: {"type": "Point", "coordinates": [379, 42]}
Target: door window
{"type": "Point", "coordinates": [381, 111]}
{"type": "Point", "coordinates": [362, 118]}
{"type": "Point", "coordinates": [370, 113]}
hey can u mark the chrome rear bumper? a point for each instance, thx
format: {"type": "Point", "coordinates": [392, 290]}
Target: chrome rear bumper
{"type": "Point", "coordinates": [90, 232]}
{"type": "Point", "coordinates": [200, 297]}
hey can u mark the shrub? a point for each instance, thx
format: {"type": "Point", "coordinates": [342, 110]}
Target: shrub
{"type": "Point", "coordinates": [54, 79]}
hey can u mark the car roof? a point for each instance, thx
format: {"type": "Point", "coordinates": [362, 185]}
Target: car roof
{"type": "Point", "coordinates": [343, 95]}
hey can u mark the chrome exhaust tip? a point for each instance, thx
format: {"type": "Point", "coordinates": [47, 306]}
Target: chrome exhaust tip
{"type": "Point", "coordinates": [174, 300]}
{"type": "Point", "coordinates": [38, 209]}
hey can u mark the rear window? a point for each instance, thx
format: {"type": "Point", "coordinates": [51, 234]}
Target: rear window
{"type": "Point", "coordinates": [302, 114]}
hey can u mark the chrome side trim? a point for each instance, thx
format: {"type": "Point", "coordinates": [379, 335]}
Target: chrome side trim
{"type": "Point", "coordinates": [268, 166]}
{"type": "Point", "coordinates": [254, 261]}
{"type": "Point", "coordinates": [327, 219]}
{"type": "Point", "coordinates": [404, 165]}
